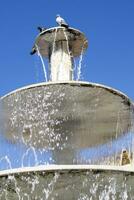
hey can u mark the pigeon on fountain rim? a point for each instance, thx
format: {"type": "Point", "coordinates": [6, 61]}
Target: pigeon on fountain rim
{"type": "Point", "coordinates": [41, 29]}
{"type": "Point", "coordinates": [34, 49]}
{"type": "Point", "coordinates": [61, 22]}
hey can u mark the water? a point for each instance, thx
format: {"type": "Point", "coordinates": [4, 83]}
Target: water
{"type": "Point", "coordinates": [43, 64]}
{"type": "Point", "coordinates": [63, 65]}
{"type": "Point", "coordinates": [46, 128]}
{"type": "Point", "coordinates": [60, 61]}
{"type": "Point", "coordinates": [5, 162]}
{"type": "Point", "coordinates": [74, 71]}
{"type": "Point", "coordinates": [68, 51]}
{"type": "Point", "coordinates": [54, 42]}
{"type": "Point", "coordinates": [82, 185]}
{"type": "Point", "coordinates": [31, 151]}
{"type": "Point", "coordinates": [79, 68]}
{"type": "Point", "coordinates": [76, 62]}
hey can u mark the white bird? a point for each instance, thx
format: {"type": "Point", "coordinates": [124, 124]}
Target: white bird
{"type": "Point", "coordinates": [61, 22]}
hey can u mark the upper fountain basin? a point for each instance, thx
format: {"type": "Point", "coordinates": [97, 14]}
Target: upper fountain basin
{"type": "Point", "coordinates": [47, 39]}
{"type": "Point", "coordinates": [65, 115]}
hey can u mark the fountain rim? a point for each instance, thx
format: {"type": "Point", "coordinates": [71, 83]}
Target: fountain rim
{"type": "Point", "coordinates": [45, 49]}
{"type": "Point", "coordinates": [69, 168]}
{"type": "Point", "coordinates": [72, 83]}
{"type": "Point", "coordinates": [59, 27]}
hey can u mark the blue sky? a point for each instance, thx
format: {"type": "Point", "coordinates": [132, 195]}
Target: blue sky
{"type": "Point", "coordinates": [108, 25]}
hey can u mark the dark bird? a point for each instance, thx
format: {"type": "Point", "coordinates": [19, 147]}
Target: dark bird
{"type": "Point", "coordinates": [34, 50]}
{"type": "Point", "coordinates": [61, 22]}
{"type": "Point", "coordinates": [41, 29]}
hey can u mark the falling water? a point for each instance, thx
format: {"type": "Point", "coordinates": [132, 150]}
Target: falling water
{"type": "Point", "coordinates": [68, 50]}
{"type": "Point", "coordinates": [80, 64]}
{"type": "Point", "coordinates": [53, 48]}
{"type": "Point", "coordinates": [6, 160]}
{"type": "Point", "coordinates": [80, 185]}
{"type": "Point", "coordinates": [26, 156]}
{"type": "Point", "coordinates": [74, 69]}
{"type": "Point", "coordinates": [54, 42]}
{"type": "Point", "coordinates": [37, 71]}
{"type": "Point", "coordinates": [43, 64]}
{"type": "Point", "coordinates": [33, 111]}
{"type": "Point", "coordinates": [66, 37]}
{"type": "Point", "coordinates": [47, 191]}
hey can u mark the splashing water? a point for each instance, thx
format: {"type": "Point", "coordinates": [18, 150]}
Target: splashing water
{"type": "Point", "coordinates": [36, 65]}
{"type": "Point", "coordinates": [80, 64]}
{"type": "Point", "coordinates": [74, 69]}
{"type": "Point", "coordinates": [43, 64]}
{"type": "Point", "coordinates": [53, 48]}
{"type": "Point", "coordinates": [67, 41]}
{"type": "Point", "coordinates": [32, 108]}
{"type": "Point", "coordinates": [38, 123]}
{"type": "Point", "coordinates": [27, 155]}
{"type": "Point", "coordinates": [86, 185]}
{"type": "Point", "coordinates": [47, 191]}
{"type": "Point", "coordinates": [6, 160]}
{"type": "Point", "coordinates": [66, 37]}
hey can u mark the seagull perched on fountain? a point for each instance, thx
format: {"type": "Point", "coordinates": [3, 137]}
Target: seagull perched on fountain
{"type": "Point", "coordinates": [61, 22]}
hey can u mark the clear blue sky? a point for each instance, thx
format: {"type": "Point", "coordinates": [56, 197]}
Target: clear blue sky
{"type": "Point", "coordinates": [108, 24]}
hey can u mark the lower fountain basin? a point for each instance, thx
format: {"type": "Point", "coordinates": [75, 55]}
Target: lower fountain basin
{"type": "Point", "coordinates": [68, 182]}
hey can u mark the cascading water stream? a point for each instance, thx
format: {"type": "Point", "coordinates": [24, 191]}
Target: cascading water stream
{"type": "Point", "coordinates": [80, 64]}
{"type": "Point", "coordinates": [68, 51]}
{"type": "Point", "coordinates": [26, 156]}
{"type": "Point", "coordinates": [54, 42]}
{"type": "Point", "coordinates": [6, 160]}
{"type": "Point", "coordinates": [43, 64]}
{"type": "Point", "coordinates": [51, 185]}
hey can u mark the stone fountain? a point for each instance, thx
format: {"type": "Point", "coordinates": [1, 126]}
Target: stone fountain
{"type": "Point", "coordinates": [65, 139]}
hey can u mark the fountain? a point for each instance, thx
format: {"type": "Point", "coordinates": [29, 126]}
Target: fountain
{"type": "Point", "coordinates": [65, 139]}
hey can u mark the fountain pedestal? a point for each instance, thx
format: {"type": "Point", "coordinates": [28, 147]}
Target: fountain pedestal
{"type": "Point", "coordinates": [61, 64]}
